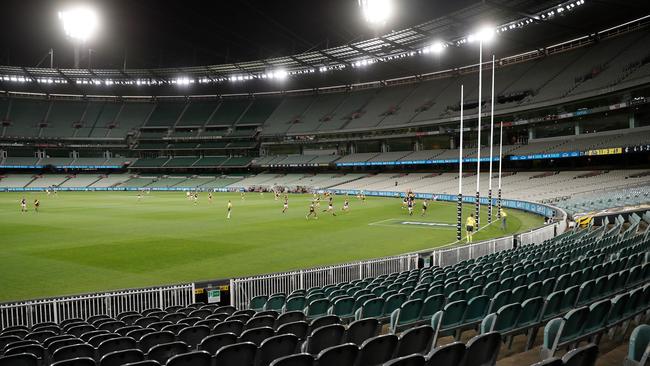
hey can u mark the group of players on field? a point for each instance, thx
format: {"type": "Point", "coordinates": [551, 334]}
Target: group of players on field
{"type": "Point", "coordinates": [407, 203]}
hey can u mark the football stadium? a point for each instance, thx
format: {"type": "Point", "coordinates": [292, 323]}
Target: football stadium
{"type": "Point", "coordinates": [325, 183]}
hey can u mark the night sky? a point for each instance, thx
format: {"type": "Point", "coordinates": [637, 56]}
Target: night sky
{"type": "Point", "coordinates": [163, 33]}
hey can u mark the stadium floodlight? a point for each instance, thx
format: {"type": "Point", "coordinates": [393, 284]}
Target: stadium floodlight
{"type": "Point", "coordinates": [80, 24]}
{"type": "Point", "coordinates": [437, 47]}
{"type": "Point", "coordinates": [485, 34]}
{"type": "Point", "coordinates": [281, 74]}
{"type": "Point", "coordinates": [376, 12]}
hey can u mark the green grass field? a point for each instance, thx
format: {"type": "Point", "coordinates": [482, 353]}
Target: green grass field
{"type": "Point", "coordinates": [91, 241]}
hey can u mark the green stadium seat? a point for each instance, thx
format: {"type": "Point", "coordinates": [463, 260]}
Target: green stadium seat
{"type": "Point", "coordinates": [317, 308]}
{"type": "Point", "coordinates": [446, 321]}
{"type": "Point", "coordinates": [372, 308]}
{"type": "Point", "coordinates": [258, 302]}
{"type": "Point", "coordinates": [477, 309]}
{"type": "Point", "coordinates": [560, 331]}
{"type": "Point", "coordinates": [638, 353]}
{"type": "Point", "coordinates": [295, 303]}
{"type": "Point", "coordinates": [569, 298]}
{"type": "Point", "coordinates": [407, 314]}
{"type": "Point", "coordinates": [343, 307]}
{"type": "Point", "coordinates": [503, 321]}
{"type": "Point", "coordinates": [502, 298]}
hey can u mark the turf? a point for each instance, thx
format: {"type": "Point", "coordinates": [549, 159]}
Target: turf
{"type": "Point", "coordinates": [94, 241]}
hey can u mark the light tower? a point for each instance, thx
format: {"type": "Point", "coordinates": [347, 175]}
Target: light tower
{"type": "Point", "coordinates": [79, 24]}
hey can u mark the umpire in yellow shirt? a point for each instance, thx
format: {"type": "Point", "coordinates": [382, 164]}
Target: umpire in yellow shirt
{"type": "Point", "coordinates": [470, 224]}
{"type": "Point", "coordinates": [504, 215]}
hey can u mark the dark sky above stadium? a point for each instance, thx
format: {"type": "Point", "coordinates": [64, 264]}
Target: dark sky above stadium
{"type": "Point", "coordinates": [165, 33]}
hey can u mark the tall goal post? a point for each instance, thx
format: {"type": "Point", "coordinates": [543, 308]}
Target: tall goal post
{"type": "Point", "coordinates": [459, 207]}
{"type": "Point", "coordinates": [491, 147]}
{"type": "Point", "coordinates": [478, 130]}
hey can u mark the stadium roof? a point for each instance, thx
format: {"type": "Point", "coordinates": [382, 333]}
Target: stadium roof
{"type": "Point", "coordinates": [525, 24]}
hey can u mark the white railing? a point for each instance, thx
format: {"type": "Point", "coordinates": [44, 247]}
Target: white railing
{"type": "Point", "coordinates": [539, 235]}
{"type": "Point", "coordinates": [242, 290]}
{"type": "Point", "coordinates": [113, 303]}
{"type": "Point", "coordinates": [457, 254]}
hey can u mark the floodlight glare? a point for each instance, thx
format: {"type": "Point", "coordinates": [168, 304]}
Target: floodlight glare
{"type": "Point", "coordinates": [376, 11]}
{"type": "Point", "coordinates": [79, 23]}
{"type": "Point", "coordinates": [485, 34]}
{"type": "Point", "coordinates": [437, 47]}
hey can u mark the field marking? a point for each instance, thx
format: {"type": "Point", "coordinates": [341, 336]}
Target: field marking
{"type": "Point", "coordinates": [401, 222]}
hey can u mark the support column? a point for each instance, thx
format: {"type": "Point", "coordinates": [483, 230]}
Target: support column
{"type": "Point", "coordinates": [578, 128]}
{"type": "Point", "coordinates": [632, 121]}
{"type": "Point", "coordinates": [531, 132]}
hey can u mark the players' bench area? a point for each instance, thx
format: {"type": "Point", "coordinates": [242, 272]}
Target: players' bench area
{"type": "Point", "coordinates": [582, 285]}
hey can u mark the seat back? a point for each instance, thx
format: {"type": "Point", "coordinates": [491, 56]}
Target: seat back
{"type": "Point", "coordinates": [119, 358]}
{"type": "Point", "coordinates": [324, 337]}
{"type": "Point", "coordinates": [449, 354]}
{"type": "Point", "coordinates": [482, 350]}
{"type": "Point", "coordinates": [343, 354]}
{"type": "Point", "coordinates": [115, 344]}
{"type": "Point", "coordinates": [73, 351]}
{"type": "Point", "coordinates": [256, 335]}
{"type": "Point", "coordinates": [410, 360]}
{"type": "Point", "coordinates": [229, 326]}
{"type": "Point", "coordinates": [193, 335]}
{"type": "Point", "coordinates": [165, 351]}
{"type": "Point", "coordinates": [415, 340]}
{"type": "Point", "coordinates": [299, 359]}
{"type": "Point", "coordinates": [639, 350]}
{"type": "Point", "coordinates": [299, 329]}
{"type": "Point", "coordinates": [213, 343]}
{"type": "Point", "coordinates": [583, 356]}
{"type": "Point", "coordinates": [149, 340]}
{"type": "Point", "coordinates": [276, 347]}
{"type": "Point", "coordinates": [377, 350]}
{"type": "Point", "coordinates": [360, 330]}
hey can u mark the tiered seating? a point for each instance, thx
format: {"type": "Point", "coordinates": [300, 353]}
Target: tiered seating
{"type": "Point", "coordinates": [181, 162]}
{"type": "Point", "coordinates": [16, 180]}
{"type": "Point", "coordinates": [228, 112]}
{"type": "Point", "coordinates": [26, 117]}
{"type": "Point", "coordinates": [150, 162]}
{"type": "Point", "coordinates": [210, 161]}
{"type": "Point", "coordinates": [64, 117]}
{"type": "Point", "coordinates": [203, 335]}
{"type": "Point", "coordinates": [137, 182]}
{"type": "Point", "coordinates": [130, 117]}
{"type": "Point", "coordinates": [197, 113]}
{"type": "Point", "coordinates": [220, 182]}
{"type": "Point", "coordinates": [56, 161]}
{"type": "Point", "coordinates": [111, 180]}
{"type": "Point", "coordinates": [98, 118]}
{"type": "Point", "coordinates": [165, 114]}
{"type": "Point", "coordinates": [20, 161]}
{"type": "Point", "coordinates": [81, 180]}
{"type": "Point", "coordinates": [166, 182]}
{"type": "Point", "coordinates": [237, 161]}
{"type": "Point", "coordinates": [259, 110]}
{"type": "Point", "coordinates": [49, 180]}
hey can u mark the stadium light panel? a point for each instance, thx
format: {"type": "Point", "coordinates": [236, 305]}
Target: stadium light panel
{"type": "Point", "coordinates": [376, 12]}
{"type": "Point", "coordinates": [437, 47]}
{"type": "Point", "coordinates": [80, 23]}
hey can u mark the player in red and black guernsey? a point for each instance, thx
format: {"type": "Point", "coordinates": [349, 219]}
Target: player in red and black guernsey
{"type": "Point", "coordinates": [312, 212]}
